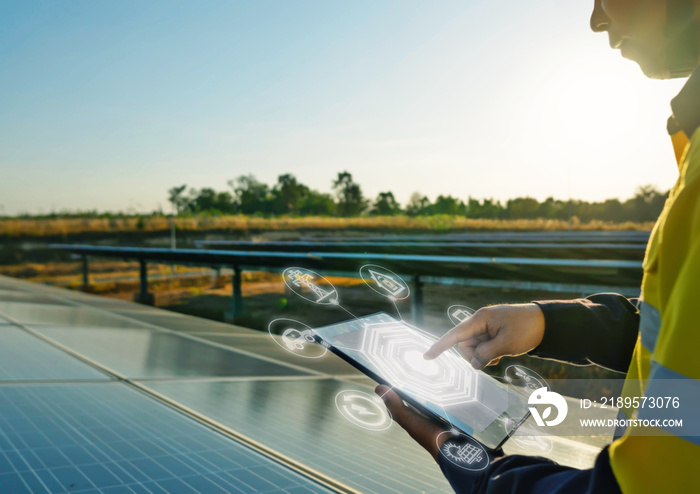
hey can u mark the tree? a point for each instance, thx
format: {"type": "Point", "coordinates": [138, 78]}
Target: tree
{"type": "Point", "coordinates": [351, 202]}
{"type": "Point", "coordinates": [176, 198]}
{"type": "Point", "coordinates": [251, 196]}
{"type": "Point", "coordinates": [489, 209]}
{"type": "Point", "coordinates": [385, 205]}
{"type": "Point", "coordinates": [647, 203]}
{"type": "Point", "coordinates": [613, 210]}
{"type": "Point", "coordinates": [288, 194]}
{"type": "Point", "coordinates": [417, 205]}
{"type": "Point", "coordinates": [317, 204]}
{"type": "Point", "coordinates": [448, 205]}
{"type": "Point", "coordinates": [522, 207]}
{"type": "Point", "coordinates": [209, 201]}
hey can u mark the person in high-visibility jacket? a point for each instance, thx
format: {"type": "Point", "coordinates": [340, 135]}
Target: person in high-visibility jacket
{"type": "Point", "coordinates": [655, 339]}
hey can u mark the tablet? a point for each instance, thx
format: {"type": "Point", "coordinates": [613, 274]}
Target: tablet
{"type": "Point", "coordinates": [447, 389]}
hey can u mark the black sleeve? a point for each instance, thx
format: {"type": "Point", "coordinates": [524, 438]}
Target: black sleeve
{"type": "Point", "coordinates": [520, 474]}
{"type": "Point", "coordinates": [599, 329]}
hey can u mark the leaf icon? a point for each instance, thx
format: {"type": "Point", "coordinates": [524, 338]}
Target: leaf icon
{"type": "Point", "coordinates": [546, 413]}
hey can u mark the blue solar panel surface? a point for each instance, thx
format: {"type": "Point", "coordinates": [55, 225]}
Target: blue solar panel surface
{"type": "Point", "coordinates": [24, 357]}
{"type": "Point", "coordinates": [65, 426]}
{"type": "Point", "coordinates": [110, 438]}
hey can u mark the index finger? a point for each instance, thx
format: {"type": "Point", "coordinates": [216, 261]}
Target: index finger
{"type": "Point", "coordinates": [463, 331]}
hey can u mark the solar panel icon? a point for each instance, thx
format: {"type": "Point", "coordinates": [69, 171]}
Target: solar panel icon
{"type": "Point", "coordinates": [465, 452]}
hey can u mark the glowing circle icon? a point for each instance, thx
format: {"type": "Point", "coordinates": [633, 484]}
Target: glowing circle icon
{"type": "Point", "coordinates": [296, 338]}
{"type": "Point", "coordinates": [384, 282]}
{"type": "Point", "coordinates": [522, 377]}
{"type": "Point", "coordinates": [363, 410]}
{"type": "Point", "coordinates": [310, 286]}
{"type": "Point", "coordinates": [459, 313]}
{"type": "Point", "coordinates": [465, 452]}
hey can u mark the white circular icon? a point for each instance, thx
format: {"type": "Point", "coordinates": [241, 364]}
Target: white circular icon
{"type": "Point", "coordinates": [363, 410]}
{"type": "Point", "coordinates": [522, 377]}
{"type": "Point", "coordinates": [529, 437]}
{"type": "Point", "coordinates": [295, 337]}
{"type": "Point", "coordinates": [459, 313]}
{"type": "Point", "coordinates": [384, 282]}
{"type": "Point", "coordinates": [310, 286]}
{"type": "Point", "coordinates": [464, 451]}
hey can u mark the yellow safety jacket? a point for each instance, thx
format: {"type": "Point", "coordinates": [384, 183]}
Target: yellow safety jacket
{"type": "Point", "coordinates": [668, 346]}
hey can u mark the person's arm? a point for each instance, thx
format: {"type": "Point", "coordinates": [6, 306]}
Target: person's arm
{"type": "Point", "coordinates": [531, 475]}
{"type": "Point", "coordinates": [600, 329]}
{"type": "Point", "coordinates": [507, 474]}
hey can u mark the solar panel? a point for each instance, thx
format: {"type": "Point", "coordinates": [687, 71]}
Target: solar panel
{"type": "Point", "coordinates": [24, 357]}
{"type": "Point", "coordinates": [18, 296]}
{"type": "Point", "coordinates": [111, 438]}
{"type": "Point", "coordinates": [147, 353]}
{"type": "Point", "coordinates": [299, 419]}
{"type": "Point", "coordinates": [262, 344]}
{"type": "Point", "coordinates": [32, 313]}
{"type": "Point", "coordinates": [177, 322]}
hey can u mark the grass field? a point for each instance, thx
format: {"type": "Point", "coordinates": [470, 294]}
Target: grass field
{"type": "Point", "coordinates": [41, 227]}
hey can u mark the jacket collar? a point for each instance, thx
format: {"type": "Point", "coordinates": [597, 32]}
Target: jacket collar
{"type": "Point", "coordinates": [686, 107]}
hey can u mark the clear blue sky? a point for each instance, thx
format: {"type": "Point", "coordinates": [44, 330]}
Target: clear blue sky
{"type": "Point", "coordinates": [105, 105]}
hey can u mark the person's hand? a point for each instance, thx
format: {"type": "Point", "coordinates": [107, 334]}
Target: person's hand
{"type": "Point", "coordinates": [492, 333]}
{"type": "Point", "coordinates": [422, 430]}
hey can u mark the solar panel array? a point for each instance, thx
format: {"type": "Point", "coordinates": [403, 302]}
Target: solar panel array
{"type": "Point", "coordinates": [78, 379]}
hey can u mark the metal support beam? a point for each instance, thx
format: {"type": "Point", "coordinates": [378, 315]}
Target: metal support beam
{"type": "Point", "coordinates": [143, 297]}
{"type": "Point", "coordinates": [143, 276]}
{"type": "Point", "coordinates": [417, 301]}
{"type": "Point", "coordinates": [86, 272]}
{"type": "Point", "coordinates": [236, 295]}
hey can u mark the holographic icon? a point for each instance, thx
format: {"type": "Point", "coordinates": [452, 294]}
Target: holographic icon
{"type": "Point", "coordinates": [310, 286]}
{"type": "Point", "coordinates": [398, 353]}
{"type": "Point", "coordinates": [387, 283]}
{"type": "Point", "coordinates": [465, 452]}
{"type": "Point", "coordinates": [295, 337]}
{"type": "Point", "coordinates": [384, 282]}
{"type": "Point", "coordinates": [528, 436]}
{"type": "Point", "coordinates": [363, 410]}
{"type": "Point", "coordinates": [522, 377]}
{"type": "Point", "coordinates": [459, 313]}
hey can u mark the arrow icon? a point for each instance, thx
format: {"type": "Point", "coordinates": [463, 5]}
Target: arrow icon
{"type": "Point", "coordinates": [361, 410]}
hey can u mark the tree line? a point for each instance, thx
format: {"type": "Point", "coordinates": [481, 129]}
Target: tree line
{"type": "Point", "coordinates": [247, 195]}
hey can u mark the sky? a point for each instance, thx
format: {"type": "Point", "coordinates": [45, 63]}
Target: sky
{"type": "Point", "coordinates": [106, 105]}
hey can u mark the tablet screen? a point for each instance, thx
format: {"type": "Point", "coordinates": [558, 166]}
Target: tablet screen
{"type": "Point", "coordinates": [448, 386]}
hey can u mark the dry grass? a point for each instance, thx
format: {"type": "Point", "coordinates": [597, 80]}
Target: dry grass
{"type": "Point", "coordinates": [21, 227]}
